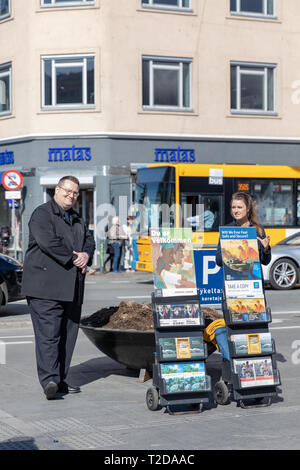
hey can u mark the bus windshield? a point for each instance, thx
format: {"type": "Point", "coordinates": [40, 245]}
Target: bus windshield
{"type": "Point", "coordinates": [155, 198]}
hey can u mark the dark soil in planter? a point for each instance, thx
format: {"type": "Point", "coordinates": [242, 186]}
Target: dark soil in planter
{"type": "Point", "coordinates": [133, 316]}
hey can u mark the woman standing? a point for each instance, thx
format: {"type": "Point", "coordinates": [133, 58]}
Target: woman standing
{"type": "Point", "coordinates": [244, 213]}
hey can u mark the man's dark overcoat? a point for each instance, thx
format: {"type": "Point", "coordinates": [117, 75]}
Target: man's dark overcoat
{"type": "Point", "coordinates": [49, 272]}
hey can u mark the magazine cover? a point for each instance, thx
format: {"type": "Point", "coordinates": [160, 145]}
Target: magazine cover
{"type": "Point", "coordinates": [184, 377]}
{"type": "Point", "coordinates": [173, 262]}
{"type": "Point", "coordinates": [254, 372]}
{"type": "Point", "coordinates": [247, 309]}
{"type": "Point", "coordinates": [182, 348]}
{"type": "Point", "coordinates": [254, 343]}
{"type": "Point", "coordinates": [242, 274]}
{"type": "Point", "coordinates": [178, 315]}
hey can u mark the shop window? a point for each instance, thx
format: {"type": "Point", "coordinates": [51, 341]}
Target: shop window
{"type": "Point", "coordinates": [5, 89]}
{"type": "Point", "coordinates": [167, 84]}
{"type": "Point", "coordinates": [168, 4]}
{"type": "Point", "coordinates": [252, 88]}
{"type": "Point", "coordinates": [66, 3]}
{"type": "Point", "coordinates": [68, 82]}
{"type": "Point", "coordinates": [4, 9]}
{"type": "Point", "coordinates": [265, 8]}
{"type": "Point", "coordinates": [275, 202]}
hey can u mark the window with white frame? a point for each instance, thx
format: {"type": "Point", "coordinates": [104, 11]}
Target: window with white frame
{"type": "Point", "coordinates": [68, 81]}
{"type": "Point", "coordinates": [64, 3]}
{"type": "Point", "coordinates": [172, 4]}
{"type": "Point", "coordinates": [5, 89]}
{"type": "Point", "coordinates": [253, 7]}
{"type": "Point", "coordinates": [252, 87]}
{"type": "Point", "coordinates": [167, 83]}
{"type": "Point", "coordinates": [4, 9]}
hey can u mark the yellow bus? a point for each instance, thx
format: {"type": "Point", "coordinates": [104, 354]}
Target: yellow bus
{"type": "Point", "coordinates": [188, 187]}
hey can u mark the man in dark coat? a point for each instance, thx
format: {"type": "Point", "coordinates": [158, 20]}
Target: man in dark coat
{"type": "Point", "coordinates": [59, 251]}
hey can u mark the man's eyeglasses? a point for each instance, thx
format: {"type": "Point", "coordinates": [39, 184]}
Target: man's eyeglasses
{"type": "Point", "coordinates": [69, 192]}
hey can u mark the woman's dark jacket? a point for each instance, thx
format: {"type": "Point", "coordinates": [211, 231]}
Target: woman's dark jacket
{"type": "Point", "coordinates": [264, 256]}
{"type": "Point", "coordinates": [49, 272]}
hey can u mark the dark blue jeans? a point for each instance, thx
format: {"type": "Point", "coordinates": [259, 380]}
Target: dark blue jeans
{"type": "Point", "coordinates": [117, 246]}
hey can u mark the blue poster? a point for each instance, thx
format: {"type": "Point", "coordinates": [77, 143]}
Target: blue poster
{"type": "Point", "coordinates": [209, 277]}
{"type": "Point", "coordinates": [240, 253]}
{"type": "Point", "coordinates": [242, 274]}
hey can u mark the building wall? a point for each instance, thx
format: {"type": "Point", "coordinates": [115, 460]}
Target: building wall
{"type": "Point", "coordinates": [119, 32]}
{"type": "Point", "coordinates": [119, 131]}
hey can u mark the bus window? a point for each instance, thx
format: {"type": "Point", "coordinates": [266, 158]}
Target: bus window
{"type": "Point", "coordinates": [201, 212]}
{"type": "Point", "coordinates": [275, 201]}
{"type": "Point", "coordinates": [155, 198]}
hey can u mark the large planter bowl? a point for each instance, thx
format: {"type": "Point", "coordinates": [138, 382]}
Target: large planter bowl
{"type": "Point", "coordinates": [134, 349]}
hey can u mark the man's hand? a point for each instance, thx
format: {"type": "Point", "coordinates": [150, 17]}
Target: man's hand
{"type": "Point", "coordinates": [81, 261]}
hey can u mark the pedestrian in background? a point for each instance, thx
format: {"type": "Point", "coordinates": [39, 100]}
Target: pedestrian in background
{"type": "Point", "coordinates": [128, 250]}
{"type": "Point", "coordinates": [117, 236]}
{"type": "Point", "coordinates": [59, 251]}
{"type": "Point", "coordinates": [109, 248]}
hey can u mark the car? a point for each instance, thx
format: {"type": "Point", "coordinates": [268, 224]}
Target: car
{"type": "Point", "coordinates": [11, 272]}
{"type": "Point", "coordinates": [283, 272]}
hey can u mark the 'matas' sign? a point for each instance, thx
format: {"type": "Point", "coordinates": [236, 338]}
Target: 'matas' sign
{"type": "Point", "coordinates": [177, 155]}
{"type": "Point", "coordinates": [69, 154]}
{"type": "Point", "coordinates": [6, 158]}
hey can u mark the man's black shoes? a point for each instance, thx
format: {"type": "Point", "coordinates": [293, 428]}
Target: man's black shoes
{"type": "Point", "coordinates": [50, 390]}
{"type": "Point", "coordinates": [63, 387]}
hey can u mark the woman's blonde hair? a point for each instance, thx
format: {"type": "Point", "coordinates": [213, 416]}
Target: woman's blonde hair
{"type": "Point", "coordinates": [251, 209]}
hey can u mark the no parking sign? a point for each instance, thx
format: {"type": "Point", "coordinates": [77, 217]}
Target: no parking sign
{"type": "Point", "coordinates": [12, 180]}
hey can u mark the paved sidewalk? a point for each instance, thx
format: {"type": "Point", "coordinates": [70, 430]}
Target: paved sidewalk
{"type": "Point", "coordinates": [110, 413]}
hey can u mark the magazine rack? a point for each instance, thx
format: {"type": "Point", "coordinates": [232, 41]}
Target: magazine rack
{"type": "Point", "coordinates": [179, 371]}
{"type": "Point", "coordinates": [251, 371]}
{"type": "Point", "coordinates": [243, 354]}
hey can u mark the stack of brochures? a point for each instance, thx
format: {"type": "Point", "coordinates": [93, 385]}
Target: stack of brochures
{"type": "Point", "coordinates": [251, 347]}
{"type": "Point", "coordinates": [179, 372]}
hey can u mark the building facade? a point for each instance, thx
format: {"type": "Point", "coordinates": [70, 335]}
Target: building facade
{"type": "Point", "coordinates": [94, 87]}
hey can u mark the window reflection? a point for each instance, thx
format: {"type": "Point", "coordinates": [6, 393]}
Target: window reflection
{"type": "Point", "coordinates": [274, 200]}
{"type": "Point", "coordinates": [201, 212]}
{"type": "Point", "coordinates": [168, 3]}
{"type": "Point", "coordinates": [4, 8]}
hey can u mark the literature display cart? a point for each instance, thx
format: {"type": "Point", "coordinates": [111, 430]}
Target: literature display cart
{"type": "Point", "coordinates": [179, 370]}
{"type": "Point", "coordinates": [251, 371]}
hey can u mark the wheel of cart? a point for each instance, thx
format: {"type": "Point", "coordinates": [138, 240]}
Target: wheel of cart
{"type": "Point", "coordinates": [221, 393]}
{"type": "Point", "coordinates": [152, 398]}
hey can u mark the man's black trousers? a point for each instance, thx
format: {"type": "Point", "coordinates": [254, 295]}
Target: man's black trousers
{"type": "Point", "coordinates": [55, 327]}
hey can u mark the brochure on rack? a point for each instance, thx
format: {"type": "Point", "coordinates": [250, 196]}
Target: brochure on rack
{"type": "Point", "coordinates": [252, 343]}
{"type": "Point", "coordinates": [242, 274]}
{"type": "Point", "coordinates": [173, 262]}
{"type": "Point", "coordinates": [178, 314]}
{"type": "Point", "coordinates": [190, 347]}
{"type": "Point", "coordinates": [184, 377]}
{"type": "Point", "coordinates": [254, 372]}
